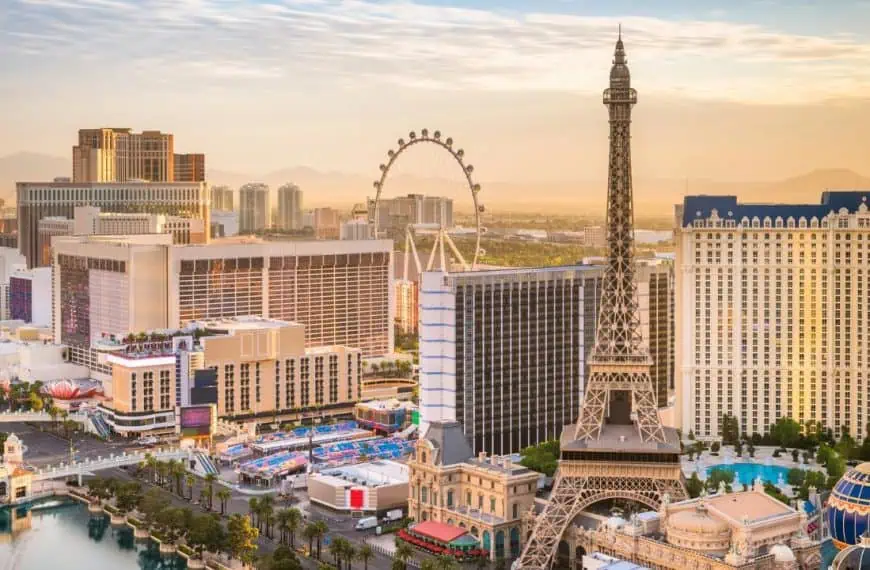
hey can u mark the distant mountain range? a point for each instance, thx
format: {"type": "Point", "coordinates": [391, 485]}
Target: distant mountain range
{"type": "Point", "coordinates": [342, 190]}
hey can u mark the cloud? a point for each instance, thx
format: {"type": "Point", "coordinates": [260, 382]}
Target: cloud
{"type": "Point", "coordinates": [416, 45]}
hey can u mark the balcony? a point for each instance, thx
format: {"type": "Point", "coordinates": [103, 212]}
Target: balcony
{"type": "Point", "coordinates": [476, 514]}
{"type": "Point", "coordinates": [614, 96]}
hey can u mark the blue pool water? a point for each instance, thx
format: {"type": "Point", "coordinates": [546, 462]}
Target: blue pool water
{"type": "Point", "coordinates": [746, 473]}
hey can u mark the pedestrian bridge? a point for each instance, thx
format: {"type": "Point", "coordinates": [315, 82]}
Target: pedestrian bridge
{"type": "Point", "coordinates": [9, 417]}
{"type": "Point", "coordinates": [89, 466]}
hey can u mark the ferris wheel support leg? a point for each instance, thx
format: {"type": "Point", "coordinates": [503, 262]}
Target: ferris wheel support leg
{"type": "Point", "coordinates": [435, 245]}
{"type": "Point", "coordinates": [455, 251]}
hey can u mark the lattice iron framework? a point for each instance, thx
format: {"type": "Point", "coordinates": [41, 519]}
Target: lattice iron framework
{"type": "Point", "coordinates": [619, 360]}
{"type": "Point", "coordinates": [618, 363]}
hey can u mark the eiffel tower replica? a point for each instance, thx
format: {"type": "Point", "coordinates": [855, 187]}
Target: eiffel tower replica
{"type": "Point", "coordinates": [618, 449]}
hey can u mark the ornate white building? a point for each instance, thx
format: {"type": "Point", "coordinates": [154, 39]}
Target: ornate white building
{"type": "Point", "coordinates": [749, 530]}
{"type": "Point", "coordinates": [773, 308]}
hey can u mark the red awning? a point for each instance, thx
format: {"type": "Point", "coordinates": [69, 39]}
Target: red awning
{"type": "Point", "coordinates": [438, 531]}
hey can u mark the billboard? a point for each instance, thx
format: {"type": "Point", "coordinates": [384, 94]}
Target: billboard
{"type": "Point", "coordinates": [196, 421]}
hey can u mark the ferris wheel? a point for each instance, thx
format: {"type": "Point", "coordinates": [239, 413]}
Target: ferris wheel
{"type": "Point", "coordinates": [443, 246]}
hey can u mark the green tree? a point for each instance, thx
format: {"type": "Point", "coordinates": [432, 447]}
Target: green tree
{"type": "Point", "coordinates": [694, 486]}
{"type": "Point", "coordinates": [730, 430]}
{"type": "Point", "coordinates": [176, 469]}
{"type": "Point", "coordinates": [206, 533]}
{"type": "Point", "coordinates": [796, 477]}
{"type": "Point", "coordinates": [282, 559]}
{"type": "Point", "coordinates": [786, 432]}
{"type": "Point", "coordinates": [364, 555]}
{"type": "Point", "coordinates": [543, 458]}
{"type": "Point", "coordinates": [714, 448]}
{"type": "Point", "coordinates": [718, 475]}
{"type": "Point", "coordinates": [403, 553]}
{"type": "Point", "coordinates": [289, 521]}
{"type": "Point", "coordinates": [241, 538]}
{"type": "Point", "coordinates": [320, 528]}
{"type": "Point", "coordinates": [152, 503]}
{"type": "Point", "coordinates": [190, 480]}
{"type": "Point", "coordinates": [309, 533]}
{"type": "Point", "coordinates": [223, 496]}
{"type": "Point", "coordinates": [209, 482]}
{"type": "Point", "coordinates": [128, 496]}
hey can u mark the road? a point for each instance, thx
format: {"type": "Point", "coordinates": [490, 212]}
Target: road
{"type": "Point", "coordinates": [44, 447]}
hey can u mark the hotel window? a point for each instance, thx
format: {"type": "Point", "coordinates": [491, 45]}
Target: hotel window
{"type": "Point", "coordinates": [148, 391]}
{"type": "Point", "coordinates": [133, 392]}
{"type": "Point", "coordinates": [229, 388]}
{"type": "Point", "coordinates": [164, 390]}
{"type": "Point", "coordinates": [245, 388]}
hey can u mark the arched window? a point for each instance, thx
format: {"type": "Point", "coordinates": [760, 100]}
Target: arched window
{"type": "Point", "coordinates": [515, 542]}
{"type": "Point", "coordinates": [499, 544]}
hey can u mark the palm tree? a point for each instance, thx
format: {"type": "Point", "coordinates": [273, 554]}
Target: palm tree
{"type": "Point", "coordinates": [150, 464]}
{"type": "Point", "coordinates": [54, 412]}
{"type": "Point", "coordinates": [294, 521]}
{"type": "Point", "coordinates": [350, 553]}
{"type": "Point", "coordinates": [403, 552]}
{"type": "Point", "coordinates": [176, 469]}
{"type": "Point", "coordinates": [322, 528]}
{"type": "Point", "coordinates": [163, 472]}
{"type": "Point", "coordinates": [210, 481]}
{"type": "Point", "coordinates": [267, 512]}
{"type": "Point", "coordinates": [444, 562]}
{"type": "Point", "coordinates": [223, 496]}
{"type": "Point", "coordinates": [309, 533]}
{"type": "Point", "coordinates": [254, 511]}
{"type": "Point", "coordinates": [190, 480]}
{"type": "Point", "coordinates": [364, 555]}
{"type": "Point", "coordinates": [336, 548]}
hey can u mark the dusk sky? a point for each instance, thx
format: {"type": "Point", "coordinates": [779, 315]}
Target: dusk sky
{"type": "Point", "coordinates": [735, 90]}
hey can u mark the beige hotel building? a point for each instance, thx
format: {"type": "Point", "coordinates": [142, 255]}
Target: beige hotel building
{"type": "Point", "coordinates": [104, 285]}
{"type": "Point", "coordinates": [262, 367]}
{"type": "Point", "coordinates": [773, 309]}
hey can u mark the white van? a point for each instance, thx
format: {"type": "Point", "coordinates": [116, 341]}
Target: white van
{"type": "Point", "coordinates": [367, 523]}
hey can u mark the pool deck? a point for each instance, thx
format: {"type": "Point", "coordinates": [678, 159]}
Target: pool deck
{"type": "Point", "coordinates": [763, 456]}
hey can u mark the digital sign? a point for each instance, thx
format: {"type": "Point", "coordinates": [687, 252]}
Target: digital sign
{"type": "Point", "coordinates": [196, 421]}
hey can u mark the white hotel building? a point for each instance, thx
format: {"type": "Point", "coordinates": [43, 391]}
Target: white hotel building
{"type": "Point", "coordinates": [773, 309]}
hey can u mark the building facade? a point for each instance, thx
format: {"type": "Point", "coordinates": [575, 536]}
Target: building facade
{"type": "Point", "coordinates": [104, 285]}
{"type": "Point", "coordinates": [38, 200]}
{"type": "Point", "coordinates": [772, 305]}
{"type": "Point", "coordinates": [89, 220]}
{"type": "Point", "coordinates": [486, 495]}
{"type": "Point", "coordinates": [749, 530]}
{"type": "Point", "coordinates": [255, 208]}
{"type": "Point", "coordinates": [327, 223]}
{"type": "Point", "coordinates": [397, 213]}
{"type": "Point", "coordinates": [120, 155]}
{"type": "Point", "coordinates": [407, 296]}
{"type": "Point", "coordinates": [222, 198]}
{"type": "Point", "coordinates": [189, 167]}
{"type": "Point", "coordinates": [355, 229]}
{"type": "Point", "coordinates": [289, 207]}
{"type": "Point", "coordinates": [504, 352]}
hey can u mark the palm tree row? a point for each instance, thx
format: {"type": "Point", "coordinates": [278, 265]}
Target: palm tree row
{"type": "Point", "coordinates": [172, 476]}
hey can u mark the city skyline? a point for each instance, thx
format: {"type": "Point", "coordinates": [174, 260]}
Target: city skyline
{"type": "Point", "coordinates": [280, 84]}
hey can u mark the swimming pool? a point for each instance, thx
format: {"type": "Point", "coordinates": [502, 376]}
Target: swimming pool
{"type": "Point", "coordinates": [746, 473]}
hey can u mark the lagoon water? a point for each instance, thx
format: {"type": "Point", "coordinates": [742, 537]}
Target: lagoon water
{"type": "Point", "coordinates": [62, 535]}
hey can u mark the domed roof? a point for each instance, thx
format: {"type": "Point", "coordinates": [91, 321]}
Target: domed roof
{"type": "Point", "coordinates": [697, 521]}
{"type": "Point", "coordinates": [848, 509]}
{"type": "Point", "coordinates": [855, 557]}
{"type": "Point", "coordinates": [782, 553]}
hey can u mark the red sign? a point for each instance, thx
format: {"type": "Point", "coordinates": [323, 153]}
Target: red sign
{"type": "Point", "coordinates": [357, 498]}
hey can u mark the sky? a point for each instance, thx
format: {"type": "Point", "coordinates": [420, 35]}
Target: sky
{"type": "Point", "coordinates": [737, 90]}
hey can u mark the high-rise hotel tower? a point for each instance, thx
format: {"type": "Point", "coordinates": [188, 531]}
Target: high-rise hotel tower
{"type": "Point", "coordinates": [773, 313]}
